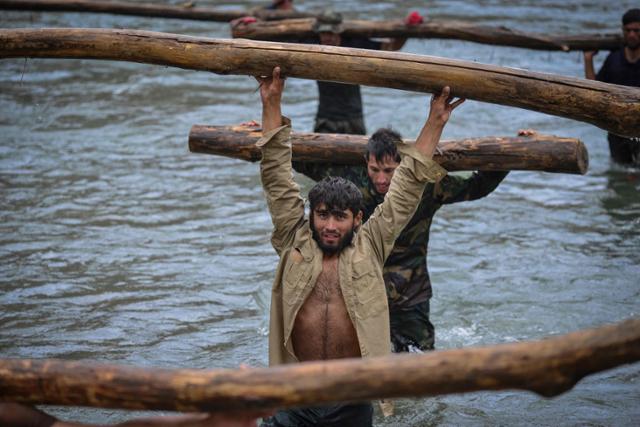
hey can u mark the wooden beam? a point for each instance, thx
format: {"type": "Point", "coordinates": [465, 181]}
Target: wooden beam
{"type": "Point", "coordinates": [187, 11]}
{"type": "Point", "coordinates": [548, 367]}
{"type": "Point", "coordinates": [296, 29]}
{"type": "Point", "coordinates": [611, 107]}
{"type": "Point", "coordinates": [539, 152]}
{"type": "Point", "coordinates": [446, 29]}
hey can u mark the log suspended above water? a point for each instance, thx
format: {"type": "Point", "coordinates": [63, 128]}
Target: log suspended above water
{"type": "Point", "coordinates": [296, 29]}
{"type": "Point", "coordinates": [548, 367]}
{"type": "Point", "coordinates": [187, 10]}
{"type": "Point", "coordinates": [538, 152]}
{"type": "Point", "coordinates": [445, 29]}
{"type": "Point", "coordinates": [611, 107]}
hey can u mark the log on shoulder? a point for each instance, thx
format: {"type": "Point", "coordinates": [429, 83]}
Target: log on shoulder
{"type": "Point", "coordinates": [611, 107]}
{"type": "Point", "coordinates": [296, 29]}
{"type": "Point", "coordinates": [548, 367]}
{"type": "Point", "coordinates": [538, 152]}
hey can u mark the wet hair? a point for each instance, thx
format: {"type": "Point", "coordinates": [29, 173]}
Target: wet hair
{"type": "Point", "coordinates": [337, 194]}
{"type": "Point", "coordinates": [383, 143]}
{"type": "Point", "coordinates": [631, 15]}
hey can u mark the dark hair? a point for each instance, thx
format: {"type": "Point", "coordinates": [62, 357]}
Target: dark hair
{"type": "Point", "coordinates": [336, 193]}
{"type": "Point", "coordinates": [383, 143]}
{"type": "Point", "coordinates": [631, 15]}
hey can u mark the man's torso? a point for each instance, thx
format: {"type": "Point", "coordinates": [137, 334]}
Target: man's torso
{"type": "Point", "coordinates": [323, 329]}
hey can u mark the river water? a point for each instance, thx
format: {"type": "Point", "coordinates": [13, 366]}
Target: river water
{"type": "Point", "coordinates": [118, 245]}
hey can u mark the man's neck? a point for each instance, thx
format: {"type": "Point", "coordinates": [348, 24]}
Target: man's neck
{"type": "Point", "coordinates": [632, 55]}
{"type": "Point", "coordinates": [328, 257]}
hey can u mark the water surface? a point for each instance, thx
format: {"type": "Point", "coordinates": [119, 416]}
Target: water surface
{"type": "Point", "coordinates": [118, 245]}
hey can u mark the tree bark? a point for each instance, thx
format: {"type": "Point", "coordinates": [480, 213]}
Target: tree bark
{"type": "Point", "coordinates": [611, 107]}
{"type": "Point", "coordinates": [539, 152]}
{"type": "Point", "coordinates": [295, 29]}
{"type": "Point", "coordinates": [548, 367]}
{"type": "Point", "coordinates": [145, 9]}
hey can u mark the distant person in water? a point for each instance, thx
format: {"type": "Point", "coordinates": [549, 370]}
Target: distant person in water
{"type": "Point", "coordinates": [621, 67]}
{"type": "Point", "coordinates": [18, 415]}
{"type": "Point", "coordinates": [339, 104]}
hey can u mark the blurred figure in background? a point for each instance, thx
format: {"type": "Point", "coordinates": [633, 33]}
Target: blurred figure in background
{"type": "Point", "coordinates": [621, 67]}
{"type": "Point", "coordinates": [339, 104]}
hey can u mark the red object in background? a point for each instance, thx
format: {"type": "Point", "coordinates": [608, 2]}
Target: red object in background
{"type": "Point", "coordinates": [247, 20]}
{"type": "Point", "coordinates": [414, 18]}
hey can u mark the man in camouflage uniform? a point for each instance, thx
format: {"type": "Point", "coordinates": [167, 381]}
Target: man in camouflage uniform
{"type": "Point", "coordinates": [405, 271]}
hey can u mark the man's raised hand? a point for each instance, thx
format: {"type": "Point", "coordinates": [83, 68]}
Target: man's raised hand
{"type": "Point", "coordinates": [442, 105]}
{"type": "Point", "coordinates": [271, 89]}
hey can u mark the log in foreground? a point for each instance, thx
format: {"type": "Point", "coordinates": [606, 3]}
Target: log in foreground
{"type": "Point", "coordinates": [611, 107]}
{"type": "Point", "coordinates": [548, 367]}
{"type": "Point", "coordinates": [186, 11]}
{"type": "Point", "coordinates": [539, 152]}
{"type": "Point", "coordinates": [292, 29]}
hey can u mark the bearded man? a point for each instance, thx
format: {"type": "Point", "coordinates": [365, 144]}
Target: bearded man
{"type": "Point", "coordinates": [328, 299]}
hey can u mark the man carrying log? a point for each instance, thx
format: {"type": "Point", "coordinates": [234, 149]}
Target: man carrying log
{"type": "Point", "coordinates": [406, 275]}
{"type": "Point", "coordinates": [621, 67]}
{"type": "Point", "coordinates": [328, 299]}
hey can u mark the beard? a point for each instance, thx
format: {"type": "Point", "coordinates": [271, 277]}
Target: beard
{"type": "Point", "coordinates": [332, 249]}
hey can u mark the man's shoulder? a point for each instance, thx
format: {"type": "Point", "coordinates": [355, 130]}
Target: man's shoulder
{"type": "Point", "coordinates": [614, 57]}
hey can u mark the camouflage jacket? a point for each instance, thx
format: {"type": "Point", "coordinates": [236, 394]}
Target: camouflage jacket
{"type": "Point", "coordinates": [405, 271]}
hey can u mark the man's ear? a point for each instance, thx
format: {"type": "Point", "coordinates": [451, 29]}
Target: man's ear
{"type": "Point", "coordinates": [358, 219]}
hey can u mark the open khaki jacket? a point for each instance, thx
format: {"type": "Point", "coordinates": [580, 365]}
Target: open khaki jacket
{"type": "Point", "coordinates": [360, 264]}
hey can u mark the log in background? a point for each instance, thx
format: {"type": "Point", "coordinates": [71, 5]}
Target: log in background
{"type": "Point", "coordinates": [539, 153]}
{"type": "Point", "coordinates": [292, 29]}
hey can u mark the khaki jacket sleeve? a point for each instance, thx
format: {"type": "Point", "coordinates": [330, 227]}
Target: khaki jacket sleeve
{"type": "Point", "coordinates": [405, 192]}
{"type": "Point", "coordinates": [286, 206]}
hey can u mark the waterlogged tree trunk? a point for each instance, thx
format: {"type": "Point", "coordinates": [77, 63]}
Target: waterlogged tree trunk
{"type": "Point", "coordinates": [611, 107]}
{"type": "Point", "coordinates": [186, 11]}
{"type": "Point", "coordinates": [295, 29]}
{"type": "Point", "coordinates": [538, 152]}
{"type": "Point", "coordinates": [547, 367]}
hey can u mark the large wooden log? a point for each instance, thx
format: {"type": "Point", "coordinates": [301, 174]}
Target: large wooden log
{"type": "Point", "coordinates": [548, 367]}
{"type": "Point", "coordinates": [187, 11]}
{"type": "Point", "coordinates": [446, 29]}
{"type": "Point", "coordinates": [612, 107]}
{"type": "Point", "coordinates": [538, 152]}
{"type": "Point", "coordinates": [296, 29]}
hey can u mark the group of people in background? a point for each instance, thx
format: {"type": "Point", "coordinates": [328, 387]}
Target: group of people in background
{"type": "Point", "coordinates": [353, 279]}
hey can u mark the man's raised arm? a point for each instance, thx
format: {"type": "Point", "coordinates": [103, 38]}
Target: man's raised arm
{"type": "Point", "coordinates": [283, 194]}
{"type": "Point", "coordinates": [439, 113]}
{"type": "Point", "coordinates": [271, 89]}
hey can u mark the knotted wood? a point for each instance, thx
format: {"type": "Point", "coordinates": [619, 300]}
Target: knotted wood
{"type": "Point", "coordinates": [187, 10]}
{"type": "Point", "coordinates": [548, 367]}
{"type": "Point", "coordinates": [539, 152]}
{"type": "Point", "coordinates": [612, 107]}
{"type": "Point", "coordinates": [296, 29]}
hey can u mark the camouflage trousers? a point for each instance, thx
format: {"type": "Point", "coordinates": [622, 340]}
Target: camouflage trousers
{"type": "Point", "coordinates": [411, 330]}
{"type": "Point", "coordinates": [354, 126]}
